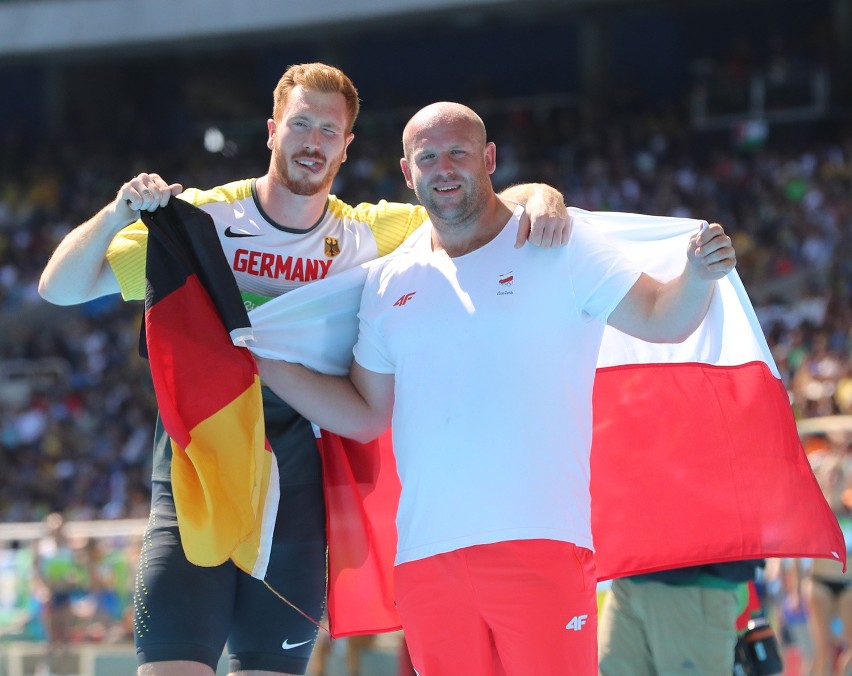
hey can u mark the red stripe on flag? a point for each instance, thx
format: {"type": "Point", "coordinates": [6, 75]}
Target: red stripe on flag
{"type": "Point", "coordinates": [361, 494]}
{"type": "Point", "coordinates": [693, 463]}
{"type": "Point", "coordinates": [195, 366]}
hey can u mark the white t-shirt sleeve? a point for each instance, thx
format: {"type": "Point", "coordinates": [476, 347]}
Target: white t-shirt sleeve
{"type": "Point", "coordinates": [601, 273]}
{"type": "Point", "coordinates": [370, 350]}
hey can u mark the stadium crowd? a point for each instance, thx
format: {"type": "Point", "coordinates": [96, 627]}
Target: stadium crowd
{"type": "Point", "coordinates": [76, 405]}
{"type": "Point", "coordinates": [75, 435]}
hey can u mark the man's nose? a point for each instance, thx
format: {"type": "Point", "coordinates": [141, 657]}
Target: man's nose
{"type": "Point", "coordinates": [312, 139]}
{"type": "Point", "coordinates": [445, 164]}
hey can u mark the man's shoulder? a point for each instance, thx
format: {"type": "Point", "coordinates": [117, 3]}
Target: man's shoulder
{"type": "Point", "coordinates": [370, 212]}
{"type": "Point", "coordinates": [406, 256]}
{"type": "Point", "coordinates": [389, 222]}
{"type": "Point", "coordinates": [234, 191]}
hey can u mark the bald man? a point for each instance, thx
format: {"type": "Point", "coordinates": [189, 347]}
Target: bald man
{"type": "Point", "coordinates": [494, 570]}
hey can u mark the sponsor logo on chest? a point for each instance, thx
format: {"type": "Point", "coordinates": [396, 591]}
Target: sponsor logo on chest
{"type": "Point", "coordinates": [276, 266]}
{"type": "Point", "coordinates": [504, 284]}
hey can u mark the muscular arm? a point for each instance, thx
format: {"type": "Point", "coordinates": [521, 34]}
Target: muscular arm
{"type": "Point", "coordinates": [78, 270]}
{"type": "Point", "coordinates": [358, 406]}
{"type": "Point", "coordinates": [670, 312]}
{"type": "Point", "coordinates": [546, 221]}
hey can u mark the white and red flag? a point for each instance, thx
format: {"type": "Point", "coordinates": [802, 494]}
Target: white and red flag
{"type": "Point", "coordinates": [695, 456]}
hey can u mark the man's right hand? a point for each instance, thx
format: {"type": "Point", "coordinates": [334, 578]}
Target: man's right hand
{"type": "Point", "coordinates": [145, 192]}
{"type": "Point", "coordinates": [78, 270]}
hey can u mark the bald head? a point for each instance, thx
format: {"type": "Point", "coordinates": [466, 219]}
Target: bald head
{"type": "Point", "coordinates": [448, 162]}
{"type": "Point", "coordinates": [442, 114]}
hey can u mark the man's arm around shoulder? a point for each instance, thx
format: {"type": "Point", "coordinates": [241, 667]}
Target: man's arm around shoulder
{"type": "Point", "coordinates": [546, 222]}
{"type": "Point", "coordinates": [358, 406]}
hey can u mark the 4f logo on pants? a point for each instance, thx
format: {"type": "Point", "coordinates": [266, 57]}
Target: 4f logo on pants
{"type": "Point", "coordinates": [577, 622]}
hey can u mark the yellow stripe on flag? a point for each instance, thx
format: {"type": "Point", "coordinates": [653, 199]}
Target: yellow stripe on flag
{"type": "Point", "coordinates": [220, 481]}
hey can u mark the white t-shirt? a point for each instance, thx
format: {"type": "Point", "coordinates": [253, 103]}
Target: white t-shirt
{"type": "Point", "coordinates": [494, 354]}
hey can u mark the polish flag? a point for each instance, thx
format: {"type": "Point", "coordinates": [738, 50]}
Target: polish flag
{"type": "Point", "coordinates": [695, 454]}
{"type": "Point", "coordinates": [695, 457]}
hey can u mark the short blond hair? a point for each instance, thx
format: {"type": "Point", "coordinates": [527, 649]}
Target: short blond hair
{"type": "Point", "coordinates": [318, 77]}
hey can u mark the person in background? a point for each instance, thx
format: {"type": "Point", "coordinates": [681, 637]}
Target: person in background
{"type": "Point", "coordinates": [675, 621]}
{"type": "Point", "coordinates": [58, 576]}
{"type": "Point", "coordinates": [825, 589]}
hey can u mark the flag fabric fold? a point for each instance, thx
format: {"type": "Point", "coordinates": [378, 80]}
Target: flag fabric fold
{"type": "Point", "coordinates": [361, 496]}
{"type": "Point", "coordinates": [223, 472]}
{"type": "Point", "coordinates": [315, 325]}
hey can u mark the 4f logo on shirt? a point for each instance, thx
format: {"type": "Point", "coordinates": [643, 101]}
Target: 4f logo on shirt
{"type": "Point", "coordinates": [577, 622]}
{"type": "Point", "coordinates": [332, 247]}
{"type": "Point", "coordinates": [404, 299]}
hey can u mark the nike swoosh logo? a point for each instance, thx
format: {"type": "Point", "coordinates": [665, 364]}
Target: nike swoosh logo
{"type": "Point", "coordinates": [289, 646]}
{"type": "Point", "coordinates": [231, 233]}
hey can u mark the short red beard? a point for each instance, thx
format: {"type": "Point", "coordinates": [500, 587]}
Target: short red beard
{"type": "Point", "coordinates": [280, 171]}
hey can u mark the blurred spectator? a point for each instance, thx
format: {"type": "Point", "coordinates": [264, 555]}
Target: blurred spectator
{"type": "Point", "coordinates": [825, 589]}
{"type": "Point", "coordinates": [786, 607]}
{"type": "Point", "coordinates": [59, 577]}
{"type": "Point", "coordinates": [815, 383]}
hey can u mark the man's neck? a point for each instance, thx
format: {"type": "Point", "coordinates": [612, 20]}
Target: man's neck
{"type": "Point", "coordinates": [298, 212]}
{"type": "Point", "coordinates": [458, 239]}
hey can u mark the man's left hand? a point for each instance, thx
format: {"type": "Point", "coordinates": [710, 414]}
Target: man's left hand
{"type": "Point", "coordinates": [545, 222]}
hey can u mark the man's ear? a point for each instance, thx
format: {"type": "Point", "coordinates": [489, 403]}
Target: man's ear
{"type": "Point", "coordinates": [406, 171]}
{"type": "Point", "coordinates": [349, 140]}
{"type": "Point", "coordinates": [490, 157]}
{"type": "Point", "coordinates": [270, 128]}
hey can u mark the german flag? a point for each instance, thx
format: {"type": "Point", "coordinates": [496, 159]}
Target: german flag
{"type": "Point", "coordinates": [224, 475]}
